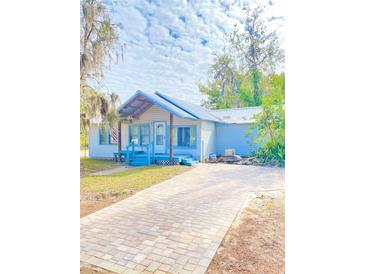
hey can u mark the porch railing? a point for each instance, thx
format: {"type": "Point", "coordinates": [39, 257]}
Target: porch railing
{"type": "Point", "coordinates": [132, 149]}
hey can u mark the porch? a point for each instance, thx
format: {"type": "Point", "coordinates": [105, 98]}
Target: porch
{"type": "Point", "coordinates": [137, 155]}
{"type": "Point", "coordinates": [153, 139]}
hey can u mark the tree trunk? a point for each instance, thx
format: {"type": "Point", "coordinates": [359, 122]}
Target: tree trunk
{"type": "Point", "coordinates": [256, 95]}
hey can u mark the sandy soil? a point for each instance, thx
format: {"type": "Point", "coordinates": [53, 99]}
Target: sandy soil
{"type": "Point", "coordinates": [89, 204]}
{"type": "Point", "coordinates": [256, 241]}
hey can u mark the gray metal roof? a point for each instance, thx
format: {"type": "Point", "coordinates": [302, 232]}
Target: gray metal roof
{"type": "Point", "coordinates": [141, 101]}
{"type": "Point", "coordinates": [195, 110]}
{"type": "Point", "coordinates": [236, 115]}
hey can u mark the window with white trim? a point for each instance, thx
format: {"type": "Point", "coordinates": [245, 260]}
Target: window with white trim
{"type": "Point", "coordinates": [108, 136]}
{"type": "Point", "coordinates": [184, 136]}
{"type": "Point", "coordinates": [139, 134]}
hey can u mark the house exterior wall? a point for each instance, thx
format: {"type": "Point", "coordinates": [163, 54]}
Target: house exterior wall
{"type": "Point", "coordinates": [153, 114]}
{"type": "Point", "coordinates": [211, 137]}
{"type": "Point", "coordinates": [208, 139]}
{"type": "Point", "coordinates": [157, 114]}
{"type": "Point", "coordinates": [97, 150]}
{"type": "Point", "coordinates": [233, 136]}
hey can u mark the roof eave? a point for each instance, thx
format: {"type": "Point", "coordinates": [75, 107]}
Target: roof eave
{"type": "Point", "coordinates": [235, 123]}
{"type": "Point", "coordinates": [176, 105]}
{"type": "Point", "coordinates": [141, 93]}
{"type": "Point", "coordinates": [214, 119]}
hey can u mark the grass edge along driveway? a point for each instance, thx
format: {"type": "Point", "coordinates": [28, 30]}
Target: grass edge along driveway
{"type": "Point", "coordinates": [97, 192]}
{"type": "Point", "coordinates": [88, 166]}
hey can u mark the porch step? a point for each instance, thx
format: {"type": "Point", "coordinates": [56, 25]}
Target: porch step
{"type": "Point", "coordinates": [138, 164]}
{"type": "Point", "coordinates": [142, 159]}
{"type": "Point", "coordinates": [189, 162]}
{"type": "Point", "coordinates": [140, 156]}
{"type": "Point", "coordinates": [139, 161]}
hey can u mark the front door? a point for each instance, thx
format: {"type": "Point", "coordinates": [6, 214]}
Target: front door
{"type": "Point", "coordinates": [160, 137]}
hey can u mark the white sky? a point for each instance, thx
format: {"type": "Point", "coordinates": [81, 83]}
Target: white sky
{"type": "Point", "coordinates": [170, 43]}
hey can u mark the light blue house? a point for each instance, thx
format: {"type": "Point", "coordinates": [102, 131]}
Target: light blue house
{"type": "Point", "coordinates": [156, 128]}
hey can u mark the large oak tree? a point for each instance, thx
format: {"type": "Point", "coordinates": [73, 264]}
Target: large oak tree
{"type": "Point", "coordinates": [99, 42]}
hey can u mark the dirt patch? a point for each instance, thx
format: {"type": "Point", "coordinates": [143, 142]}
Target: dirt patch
{"type": "Point", "coordinates": [256, 241]}
{"type": "Point", "coordinates": [91, 202]}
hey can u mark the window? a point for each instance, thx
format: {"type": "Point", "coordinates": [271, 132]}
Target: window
{"type": "Point", "coordinates": [145, 134]}
{"type": "Point", "coordinates": [160, 134]}
{"type": "Point", "coordinates": [184, 136]}
{"type": "Point", "coordinates": [139, 134]}
{"type": "Point", "coordinates": [108, 136]}
{"type": "Point", "coordinates": [103, 136]}
{"type": "Point", "coordinates": [134, 134]}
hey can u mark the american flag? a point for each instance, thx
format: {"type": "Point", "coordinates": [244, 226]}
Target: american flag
{"type": "Point", "coordinates": [114, 135]}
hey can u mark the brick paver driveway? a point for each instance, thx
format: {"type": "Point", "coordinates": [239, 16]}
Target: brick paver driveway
{"type": "Point", "coordinates": [175, 226]}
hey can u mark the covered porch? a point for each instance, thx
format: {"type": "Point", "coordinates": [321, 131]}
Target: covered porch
{"type": "Point", "coordinates": [152, 142]}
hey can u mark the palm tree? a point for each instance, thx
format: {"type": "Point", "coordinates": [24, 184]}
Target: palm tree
{"type": "Point", "coordinates": [98, 45]}
{"type": "Point", "coordinates": [98, 105]}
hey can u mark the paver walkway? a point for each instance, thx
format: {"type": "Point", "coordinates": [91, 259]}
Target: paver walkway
{"type": "Point", "coordinates": [175, 226]}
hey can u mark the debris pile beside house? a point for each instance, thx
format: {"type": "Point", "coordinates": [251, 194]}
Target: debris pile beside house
{"type": "Point", "coordinates": [248, 161]}
{"type": "Point", "coordinates": [231, 158]}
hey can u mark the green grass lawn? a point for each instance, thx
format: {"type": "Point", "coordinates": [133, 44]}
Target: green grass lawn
{"type": "Point", "coordinates": [97, 192]}
{"type": "Point", "coordinates": [88, 166]}
{"type": "Point", "coordinates": [134, 179]}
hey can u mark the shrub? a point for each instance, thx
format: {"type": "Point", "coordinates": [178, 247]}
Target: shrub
{"type": "Point", "coordinates": [270, 125]}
